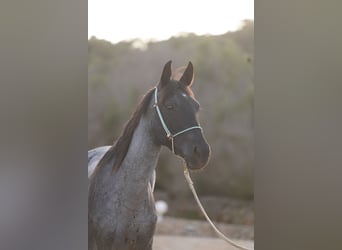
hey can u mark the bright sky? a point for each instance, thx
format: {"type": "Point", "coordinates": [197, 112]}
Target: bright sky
{"type": "Point", "coordinates": [152, 19]}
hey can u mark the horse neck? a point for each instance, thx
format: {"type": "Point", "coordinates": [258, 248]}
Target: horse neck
{"type": "Point", "coordinates": [142, 154]}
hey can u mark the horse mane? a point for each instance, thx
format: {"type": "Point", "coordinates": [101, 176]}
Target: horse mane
{"type": "Point", "coordinates": [120, 147]}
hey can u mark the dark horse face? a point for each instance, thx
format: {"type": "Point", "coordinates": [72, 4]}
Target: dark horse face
{"type": "Point", "coordinates": [179, 111]}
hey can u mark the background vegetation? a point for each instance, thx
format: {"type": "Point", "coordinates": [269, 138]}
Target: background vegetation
{"type": "Point", "coordinates": [120, 74]}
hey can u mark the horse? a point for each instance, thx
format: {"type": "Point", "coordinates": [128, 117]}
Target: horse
{"type": "Point", "coordinates": [121, 209]}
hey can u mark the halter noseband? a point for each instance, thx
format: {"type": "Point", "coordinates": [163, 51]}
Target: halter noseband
{"type": "Point", "coordinates": [169, 135]}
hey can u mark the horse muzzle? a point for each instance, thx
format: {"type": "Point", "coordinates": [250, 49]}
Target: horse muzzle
{"type": "Point", "coordinates": [196, 156]}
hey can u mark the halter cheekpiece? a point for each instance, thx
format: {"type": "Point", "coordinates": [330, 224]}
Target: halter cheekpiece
{"type": "Point", "coordinates": [169, 135]}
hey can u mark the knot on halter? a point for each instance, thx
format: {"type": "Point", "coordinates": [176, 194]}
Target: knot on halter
{"type": "Point", "coordinates": [169, 135]}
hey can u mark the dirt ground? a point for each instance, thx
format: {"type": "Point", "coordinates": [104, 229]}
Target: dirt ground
{"type": "Point", "coordinates": [184, 227]}
{"type": "Point", "coordinates": [162, 242]}
{"type": "Point", "coordinates": [196, 228]}
{"type": "Point", "coordinates": [181, 234]}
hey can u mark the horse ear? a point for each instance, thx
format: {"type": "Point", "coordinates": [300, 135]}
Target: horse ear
{"type": "Point", "coordinates": [166, 75]}
{"type": "Point", "coordinates": [188, 75]}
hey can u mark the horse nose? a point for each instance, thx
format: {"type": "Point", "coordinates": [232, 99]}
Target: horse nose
{"type": "Point", "coordinates": [201, 150]}
{"type": "Point", "coordinates": [196, 151]}
{"type": "Point", "coordinates": [197, 156]}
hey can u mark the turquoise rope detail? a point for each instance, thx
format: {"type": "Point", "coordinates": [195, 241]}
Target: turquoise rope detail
{"type": "Point", "coordinates": [186, 130]}
{"type": "Point", "coordinates": [167, 131]}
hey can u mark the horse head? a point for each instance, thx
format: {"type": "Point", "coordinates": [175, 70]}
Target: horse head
{"type": "Point", "coordinates": [177, 125]}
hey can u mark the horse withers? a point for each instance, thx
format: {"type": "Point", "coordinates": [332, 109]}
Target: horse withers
{"type": "Point", "coordinates": [121, 209]}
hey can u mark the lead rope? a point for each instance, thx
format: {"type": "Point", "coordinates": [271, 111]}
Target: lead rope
{"type": "Point", "coordinates": [192, 188]}
{"type": "Point", "coordinates": [172, 145]}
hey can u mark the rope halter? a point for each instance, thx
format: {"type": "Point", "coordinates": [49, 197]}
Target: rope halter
{"type": "Point", "coordinates": [169, 135]}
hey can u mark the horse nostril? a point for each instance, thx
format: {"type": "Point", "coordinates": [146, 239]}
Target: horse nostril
{"type": "Point", "coordinates": [196, 151]}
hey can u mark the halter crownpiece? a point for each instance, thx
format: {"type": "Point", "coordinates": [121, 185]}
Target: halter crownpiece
{"type": "Point", "coordinates": [169, 135]}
